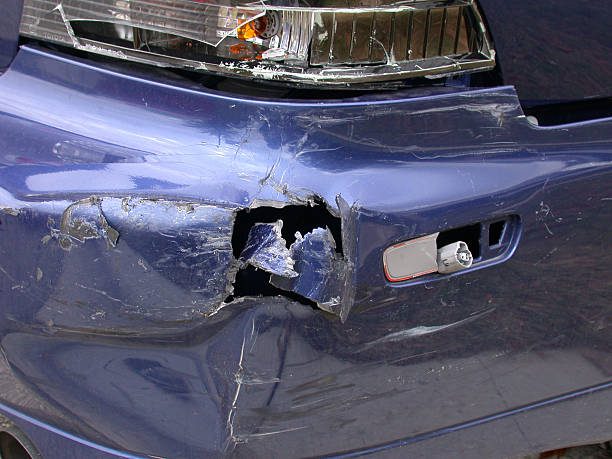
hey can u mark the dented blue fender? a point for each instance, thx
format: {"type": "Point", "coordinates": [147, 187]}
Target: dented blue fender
{"type": "Point", "coordinates": [118, 329]}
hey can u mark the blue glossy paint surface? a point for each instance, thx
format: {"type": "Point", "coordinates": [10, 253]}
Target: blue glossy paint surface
{"type": "Point", "coordinates": [131, 347]}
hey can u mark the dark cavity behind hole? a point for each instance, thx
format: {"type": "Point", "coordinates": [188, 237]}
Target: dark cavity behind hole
{"type": "Point", "coordinates": [11, 448]}
{"type": "Point", "coordinates": [302, 218]}
{"type": "Point", "coordinates": [251, 281]}
{"type": "Point", "coordinates": [556, 114]}
{"type": "Point", "coordinates": [496, 232]}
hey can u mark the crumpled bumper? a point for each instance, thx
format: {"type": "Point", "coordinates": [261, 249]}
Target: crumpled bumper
{"type": "Point", "coordinates": [120, 196]}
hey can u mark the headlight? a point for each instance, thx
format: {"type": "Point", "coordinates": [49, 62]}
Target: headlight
{"type": "Point", "coordinates": [333, 42]}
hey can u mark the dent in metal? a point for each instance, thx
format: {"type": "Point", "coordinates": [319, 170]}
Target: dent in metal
{"type": "Point", "coordinates": [121, 265]}
{"type": "Point", "coordinates": [173, 393]}
{"type": "Point", "coordinates": [169, 261]}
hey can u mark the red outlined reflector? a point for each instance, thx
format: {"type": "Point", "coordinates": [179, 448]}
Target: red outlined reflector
{"type": "Point", "coordinates": [410, 259]}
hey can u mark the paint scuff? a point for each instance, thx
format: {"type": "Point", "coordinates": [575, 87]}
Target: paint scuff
{"type": "Point", "coordinates": [423, 330]}
{"type": "Point", "coordinates": [82, 221]}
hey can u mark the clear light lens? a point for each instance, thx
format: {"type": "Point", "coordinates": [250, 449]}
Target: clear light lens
{"type": "Point", "coordinates": [328, 43]}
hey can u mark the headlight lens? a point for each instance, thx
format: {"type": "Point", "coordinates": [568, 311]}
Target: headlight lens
{"type": "Point", "coordinates": [334, 42]}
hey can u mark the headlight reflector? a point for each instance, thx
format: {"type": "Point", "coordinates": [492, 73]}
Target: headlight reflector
{"type": "Point", "coordinates": [332, 43]}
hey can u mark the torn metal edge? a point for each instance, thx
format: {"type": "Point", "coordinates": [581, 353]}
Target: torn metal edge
{"type": "Point", "coordinates": [266, 249]}
{"type": "Point", "coordinates": [311, 267]}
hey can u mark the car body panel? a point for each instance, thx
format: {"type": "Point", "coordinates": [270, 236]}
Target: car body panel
{"type": "Point", "coordinates": [124, 339]}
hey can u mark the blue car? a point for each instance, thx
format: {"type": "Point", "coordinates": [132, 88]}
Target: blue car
{"type": "Point", "coordinates": [305, 228]}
